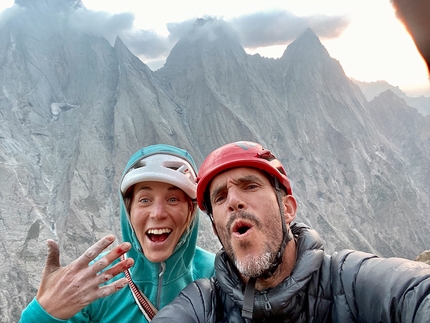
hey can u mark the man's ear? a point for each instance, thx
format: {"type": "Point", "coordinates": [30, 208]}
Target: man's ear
{"type": "Point", "coordinates": [290, 208]}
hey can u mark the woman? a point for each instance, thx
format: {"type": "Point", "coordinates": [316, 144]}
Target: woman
{"type": "Point", "coordinates": [159, 222]}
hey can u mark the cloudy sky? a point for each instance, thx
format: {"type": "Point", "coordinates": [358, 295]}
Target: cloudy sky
{"type": "Point", "coordinates": [364, 36]}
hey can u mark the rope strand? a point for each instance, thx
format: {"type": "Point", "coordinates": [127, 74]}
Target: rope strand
{"type": "Point", "coordinates": [138, 295]}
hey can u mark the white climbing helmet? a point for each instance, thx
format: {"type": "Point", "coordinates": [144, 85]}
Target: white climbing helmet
{"type": "Point", "coordinates": [162, 167]}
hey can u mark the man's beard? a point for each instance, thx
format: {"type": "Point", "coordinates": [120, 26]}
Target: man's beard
{"type": "Point", "coordinates": [252, 265]}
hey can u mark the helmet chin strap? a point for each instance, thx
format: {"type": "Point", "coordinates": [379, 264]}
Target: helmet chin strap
{"type": "Point", "coordinates": [286, 236]}
{"type": "Point", "coordinates": [248, 299]}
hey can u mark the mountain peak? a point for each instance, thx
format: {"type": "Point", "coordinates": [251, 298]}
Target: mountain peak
{"type": "Point", "coordinates": [204, 40]}
{"type": "Point", "coordinates": [203, 21]}
{"type": "Point", "coordinates": [308, 43]}
{"type": "Point", "coordinates": [309, 36]}
{"type": "Point", "coordinates": [56, 5]}
{"type": "Point", "coordinates": [211, 29]}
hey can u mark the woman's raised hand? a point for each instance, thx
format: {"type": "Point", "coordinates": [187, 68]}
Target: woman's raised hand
{"type": "Point", "coordinates": [64, 291]}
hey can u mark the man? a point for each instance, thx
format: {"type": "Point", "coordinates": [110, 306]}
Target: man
{"type": "Point", "coordinates": [271, 270]}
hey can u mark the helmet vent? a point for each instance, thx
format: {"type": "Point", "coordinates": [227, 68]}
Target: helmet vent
{"type": "Point", "coordinates": [266, 154]}
{"type": "Point", "coordinates": [140, 163]}
{"type": "Point", "coordinates": [281, 170]}
{"type": "Point", "coordinates": [183, 169]}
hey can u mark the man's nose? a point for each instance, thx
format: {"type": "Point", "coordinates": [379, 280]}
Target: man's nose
{"type": "Point", "coordinates": [235, 201]}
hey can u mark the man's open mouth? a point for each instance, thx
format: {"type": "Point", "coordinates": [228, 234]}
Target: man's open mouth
{"type": "Point", "coordinates": [241, 227]}
{"type": "Point", "coordinates": [158, 235]}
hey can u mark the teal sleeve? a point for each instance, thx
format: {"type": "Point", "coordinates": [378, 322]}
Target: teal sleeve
{"type": "Point", "coordinates": [34, 313]}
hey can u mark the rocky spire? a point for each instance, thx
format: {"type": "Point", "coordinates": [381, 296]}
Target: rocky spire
{"type": "Point", "coordinates": [307, 44]}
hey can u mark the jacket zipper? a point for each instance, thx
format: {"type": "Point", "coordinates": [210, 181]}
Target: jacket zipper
{"type": "Point", "coordinates": [160, 282]}
{"type": "Point", "coordinates": [266, 304]}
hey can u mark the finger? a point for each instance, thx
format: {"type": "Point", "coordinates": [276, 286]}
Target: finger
{"type": "Point", "coordinates": [115, 270]}
{"type": "Point", "coordinates": [111, 288]}
{"type": "Point", "coordinates": [111, 256]}
{"type": "Point", "coordinates": [53, 258]}
{"type": "Point", "coordinates": [118, 251]}
{"type": "Point", "coordinates": [92, 252]}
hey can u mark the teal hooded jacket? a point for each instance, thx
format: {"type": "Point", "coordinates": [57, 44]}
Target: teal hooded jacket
{"type": "Point", "coordinates": [160, 282]}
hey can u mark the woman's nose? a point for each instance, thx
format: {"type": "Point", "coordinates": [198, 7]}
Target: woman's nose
{"type": "Point", "coordinates": [158, 210]}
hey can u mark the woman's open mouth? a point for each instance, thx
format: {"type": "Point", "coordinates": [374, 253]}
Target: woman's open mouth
{"type": "Point", "coordinates": [158, 235]}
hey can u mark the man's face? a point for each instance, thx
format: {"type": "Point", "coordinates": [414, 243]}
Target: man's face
{"type": "Point", "coordinates": [247, 218]}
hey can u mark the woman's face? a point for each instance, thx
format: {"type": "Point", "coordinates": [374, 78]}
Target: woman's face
{"type": "Point", "coordinates": [159, 215]}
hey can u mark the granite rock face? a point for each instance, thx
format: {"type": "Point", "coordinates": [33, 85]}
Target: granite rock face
{"type": "Point", "coordinates": [424, 257]}
{"type": "Point", "coordinates": [73, 109]}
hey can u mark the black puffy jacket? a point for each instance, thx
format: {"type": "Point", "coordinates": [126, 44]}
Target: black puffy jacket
{"type": "Point", "coordinates": [350, 286]}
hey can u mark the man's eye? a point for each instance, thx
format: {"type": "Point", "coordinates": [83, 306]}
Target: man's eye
{"type": "Point", "coordinates": [219, 198]}
{"type": "Point", "coordinates": [251, 186]}
{"type": "Point", "coordinates": [144, 200]}
{"type": "Point", "coordinates": [173, 199]}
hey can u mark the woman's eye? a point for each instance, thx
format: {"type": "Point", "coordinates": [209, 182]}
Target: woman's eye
{"type": "Point", "coordinates": [173, 199]}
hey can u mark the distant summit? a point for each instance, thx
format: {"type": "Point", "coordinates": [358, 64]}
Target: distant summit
{"type": "Point", "coordinates": [307, 65]}
{"type": "Point", "coordinates": [308, 44]}
{"type": "Point", "coordinates": [373, 89]}
{"type": "Point", "coordinates": [208, 41]}
{"type": "Point", "coordinates": [210, 32]}
{"type": "Point", "coordinates": [308, 36]}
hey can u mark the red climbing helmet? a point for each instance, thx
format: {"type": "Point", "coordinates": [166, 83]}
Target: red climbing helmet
{"type": "Point", "coordinates": [238, 154]}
